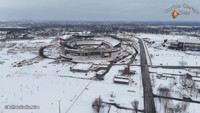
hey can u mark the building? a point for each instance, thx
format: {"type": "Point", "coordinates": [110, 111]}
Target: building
{"type": "Point", "coordinates": [81, 67]}
{"type": "Point", "coordinates": [185, 44]}
{"type": "Point", "coordinates": [121, 80]}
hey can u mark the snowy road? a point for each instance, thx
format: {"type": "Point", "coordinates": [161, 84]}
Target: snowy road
{"type": "Point", "coordinates": [174, 67]}
{"type": "Point", "coordinates": [149, 105]}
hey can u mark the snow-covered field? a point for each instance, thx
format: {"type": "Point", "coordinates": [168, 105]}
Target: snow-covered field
{"type": "Point", "coordinates": [178, 106]}
{"type": "Point", "coordinates": [172, 57]}
{"type": "Point", "coordinates": [173, 81]}
{"type": "Point", "coordinates": [27, 87]}
{"type": "Point", "coordinates": [27, 79]}
{"type": "Point", "coordinates": [183, 84]}
{"type": "Point", "coordinates": [163, 56]}
{"type": "Point", "coordinates": [161, 37]}
{"type": "Point", "coordinates": [44, 92]}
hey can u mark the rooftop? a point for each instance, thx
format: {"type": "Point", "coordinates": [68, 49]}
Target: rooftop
{"type": "Point", "coordinates": [187, 40]}
{"type": "Point", "coordinates": [82, 66]}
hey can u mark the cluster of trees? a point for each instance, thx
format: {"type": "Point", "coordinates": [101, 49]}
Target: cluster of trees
{"type": "Point", "coordinates": [168, 105]}
{"type": "Point", "coordinates": [189, 85]}
{"type": "Point", "coordinates": [187, 81]}
{"type": "Point", "coordinates": [97, 105]}
{"type": "Point", "coordinates": [180, 107]}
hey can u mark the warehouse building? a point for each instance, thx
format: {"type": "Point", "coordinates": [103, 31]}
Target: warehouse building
{"type": "Point", "coordinates": [186, 44]}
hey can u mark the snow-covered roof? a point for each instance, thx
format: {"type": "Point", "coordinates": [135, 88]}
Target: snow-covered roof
{"type": "Point", "coordinates": [66, 36]}
{"type": "Point", "coordinates": [82, 66]}
{"type": "Point", "coordinates": [88, 42]}
{"type": "Point", "coordinates": [101, 71]}
{"type": "Point", "coordinates": [121, 79]}
{"type": "Point", "coordinates": [187, 40]}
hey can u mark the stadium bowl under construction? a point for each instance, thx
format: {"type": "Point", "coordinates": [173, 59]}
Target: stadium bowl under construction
{"type": "Point", "coordinates": [89, 46]}
{"type": "Point", "coordinates": [94, 49]}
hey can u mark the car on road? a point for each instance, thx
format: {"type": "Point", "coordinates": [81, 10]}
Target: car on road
{"type": "Point", "coordinates": [187, 98]}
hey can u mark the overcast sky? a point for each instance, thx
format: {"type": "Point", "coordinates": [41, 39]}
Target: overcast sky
{"type": "Point", "coordinates": [94, 10]}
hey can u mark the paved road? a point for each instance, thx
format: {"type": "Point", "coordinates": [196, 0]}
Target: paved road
{"type": "Point", "coordinates": [178, 99]}
{"type": "Point", "coordinates": [149, 105]}
{"type": "Point", "coordinates": [121, 107]}
{"type": "Point", "coordinates": [174, 67]}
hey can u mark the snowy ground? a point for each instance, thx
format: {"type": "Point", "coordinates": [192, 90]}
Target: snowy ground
{"type": "Point", "coordinates": [190, 107]}
{"type": "Point", "coordinates": [124, 94]}
{"type": "Point", "coordinates": [173, 79]}
{"type": "Point", "coordinates": [163, 56]}
{"type": "Point", "coordinates": [27, 87]}
{"type": "Point", "coordinates": [74, 94]}
{"type": "Point", "coordinates": [173, 83]}
{"type": "Point", "coordinates": [27, 79]}
{"type": "Point", "coordinates": [171, 57]}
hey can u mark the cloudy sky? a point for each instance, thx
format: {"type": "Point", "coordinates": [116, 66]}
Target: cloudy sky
{"type": "Point", "coordinates": [95, 10]}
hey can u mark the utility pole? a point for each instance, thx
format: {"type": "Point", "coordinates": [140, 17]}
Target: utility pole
{"type": "Point", "coordinates": [59, 106]}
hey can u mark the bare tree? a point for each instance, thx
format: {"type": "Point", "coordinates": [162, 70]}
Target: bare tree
{"type": "Point", "coordinates": [151, 56]}
{"type": "Point", "coordinates": [184, 106]}
{"type": "Point", "coordinates": [180, 107]}
{"type": "Point", "coordinates": [187, 81]}
{"type": "Point", "coordinates": [197, 90]}
{"type": "Point", "coordinates": [135, 104]}
{"type": "Point", "coordinates": [153, 80]}
{"type": "Point", "coordinates": [97, 104]}
{"type": "Point", "coordinates": [182, 63]}
{"type": "Point", "coordinates": [182, 81]}
{"type": "Point", "coordinates": [164, 91]}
